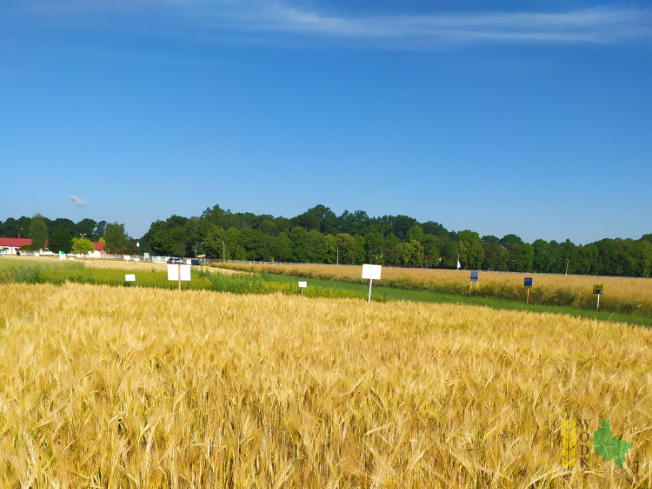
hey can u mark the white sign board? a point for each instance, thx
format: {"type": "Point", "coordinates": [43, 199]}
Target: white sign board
{"type": "Point", "coordinates": [127, 257]}
{"type": "Point", "coordinates": [371, 272]}
{"type": "Point", "coordinates": [188, 262]}
{"type": "Point", "coordinates": [146, 256]}
{"type": "Point", "coordinates": [303, 285]}
{"type": "Point", "coordinates": [173, 272]}
{"type": "Point", "coordinates": [130, 278]}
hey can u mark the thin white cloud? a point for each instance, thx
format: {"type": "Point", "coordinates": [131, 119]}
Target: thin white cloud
{"type": "Point", "coordinates": [78, 202]}
{"type": "Point", "coordinates": [588, 25]}
{"type": "Point", "coordinates": [268, 18]}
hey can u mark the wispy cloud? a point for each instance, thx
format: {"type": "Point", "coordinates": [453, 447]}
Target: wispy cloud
{"type": "Point", "coordinates": [269, 18]}
{"type": "Point", "coordinates": [78, 202]}
{"type": "Point", "coordinates": [588, 25]}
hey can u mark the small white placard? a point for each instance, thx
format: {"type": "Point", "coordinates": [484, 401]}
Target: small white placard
{"type": "Point", "coordinates": [136, 259]}
{"type": "Point", "coordinates": [188, 262]}
{"type": "Point", "coordinates": [72, 258]}
{"type": "Point", "coordinates": [127, 257]}
{"type": "Point", "coordinates": [185, 273]}
{"type": "Point", "coordinates": [303, 285]}
{"type": "Point", "coordinates": [130, 278]}
{"type": "Point", "coordinates": [146, 256]}
{"type": "Point", "coordinates": [371, 272]}
{"type": "Point", "coordinates": [173, 272]}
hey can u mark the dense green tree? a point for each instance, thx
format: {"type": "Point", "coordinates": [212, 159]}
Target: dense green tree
{"type": "Point", "coordinates": [330, 249]}
{"type": "Point", "coordinates": [475, 254]}
{"type": "Point", "coordinates": [233, 248]}
{"type": "Point", "coordinates": [375, 244]}
{"type": "Point", "coordinates": [116, 238]}
{"type": "Point", "coordinates": [283, 248]}
{"type": "Point", "coordinates": [60, 240]}
{"type": "Point", "coordinates": [348, 248]}
{"type": "Point", "coordinates": [360, 249]}
{"type": "Point", "coordinates": [177, 241]}
{"type": "Point", "coordinates": [356, 223]}
{"type": "Point", "coordinates": [67, 224]}
{"type": "Point", "coordinates": [415, 234]}
{"type": "Point", "coordinates": [401, 225]}
{"type": "Point", "coordinates": [298, 236]}
{"type": "Point", "coordinates": [283, 224]}
{"type": "Point", "coordinates": [315, 247]}
{"type": "Point", "coordinates": [14, 228]}
{"type": "Point", "coordinates": [469, 236]}
{"type": "Point", "coordinates": [542, 259]}
{"type": "Point", "coordinates": [490, 239]}
{"type": "Point", "coordinates": [510, 239]}
{"type": "Point", "coordinates": [256, 245]}
{"type": "Point", "coordinates": [82, 245]}
{"type": "Point", "coordinates": [434, 228]}
{"type": "Point", "coordinates": [86, 228]}
{"type": "Point", "coordinates": [268, 226]}
{"type": "Point", "coordinates": [431, 250]}
{"type": "Point", "coordinates": [391, 256]}
{"type": "Point", "coordinates": [195, 234]}
{"type": "Point", "coordinates": [586, 259]}
{"type": "Point", "coordinates": [521, 255]}
{"type": "Point", "coordinates": [410, 254]}
{"type": "Point", "coordinates": [496, 257]}
{"type": "Point", "coordinates": [214, 243]}
{"type": "Point", "coordinates": [462, 255]}
{"type": "Point", "coordinates": [100, 230]}
{"type": "Point", "coordinates": [646, 257]}
{"type": "Point", "coordinates": [38, 232]}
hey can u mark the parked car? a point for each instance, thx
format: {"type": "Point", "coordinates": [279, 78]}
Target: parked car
{"type": "Point", "coordinates": [175, 261]}
{"type": "Point", "coordinates": [195, 262]}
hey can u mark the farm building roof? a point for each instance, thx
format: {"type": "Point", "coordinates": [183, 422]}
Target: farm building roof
{"type": "Point", "coordinates": [15, 242]}
{"type": "Point", "coordinates": [99, 246]}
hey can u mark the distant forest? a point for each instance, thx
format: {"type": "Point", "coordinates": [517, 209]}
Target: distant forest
{"type": "Point", "coordinates": [320, 236]}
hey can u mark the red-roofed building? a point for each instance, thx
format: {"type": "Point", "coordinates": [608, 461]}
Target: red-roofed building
{"type": "Point", "coordinates": [9, 246]}
{"type": "Point", "coordinates": [99, 249]}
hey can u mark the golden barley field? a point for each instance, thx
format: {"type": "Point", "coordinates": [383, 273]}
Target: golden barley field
{"type": "Point", "coordinates": [633, 294]}
{"type": "Point", "coordinates": [106, 263]}
{"type": "Point", "coordinates": [118, 388]}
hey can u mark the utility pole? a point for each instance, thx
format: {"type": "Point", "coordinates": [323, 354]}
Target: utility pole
{"type": "Point", "coordinates": [223, 252]}
{"type": "Point", "coordinates": [567, 261]}
{"type": "Point", "coordinates": [338, 257]}
{"type": "Point", "coordinates": [201, 246]}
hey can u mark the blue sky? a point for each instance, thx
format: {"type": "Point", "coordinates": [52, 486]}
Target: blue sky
{"type": "Point", "coordinates": [500, 117]}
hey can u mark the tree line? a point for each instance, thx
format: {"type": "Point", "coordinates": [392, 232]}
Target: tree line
{"type": "Point", "coordinates": [320, 236]}
{"type": "Point", "coordinates": [65, 235]}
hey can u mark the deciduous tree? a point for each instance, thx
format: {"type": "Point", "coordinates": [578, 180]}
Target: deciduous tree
{"type": "Point", "coordinates": [38, 232]}
{"type": "Point", "coordinates": [82, 245]}
{"type": "Point", "coordinates": [116, 238]}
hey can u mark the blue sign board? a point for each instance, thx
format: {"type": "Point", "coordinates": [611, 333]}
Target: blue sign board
{"type": "Point", "coordinates": [528, 282]}
{"type": "Point", "coordinates": [474, 276]}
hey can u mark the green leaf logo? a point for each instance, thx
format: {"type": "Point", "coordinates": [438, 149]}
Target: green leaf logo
{"type": "Point", "coordinates": [609, 447]}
